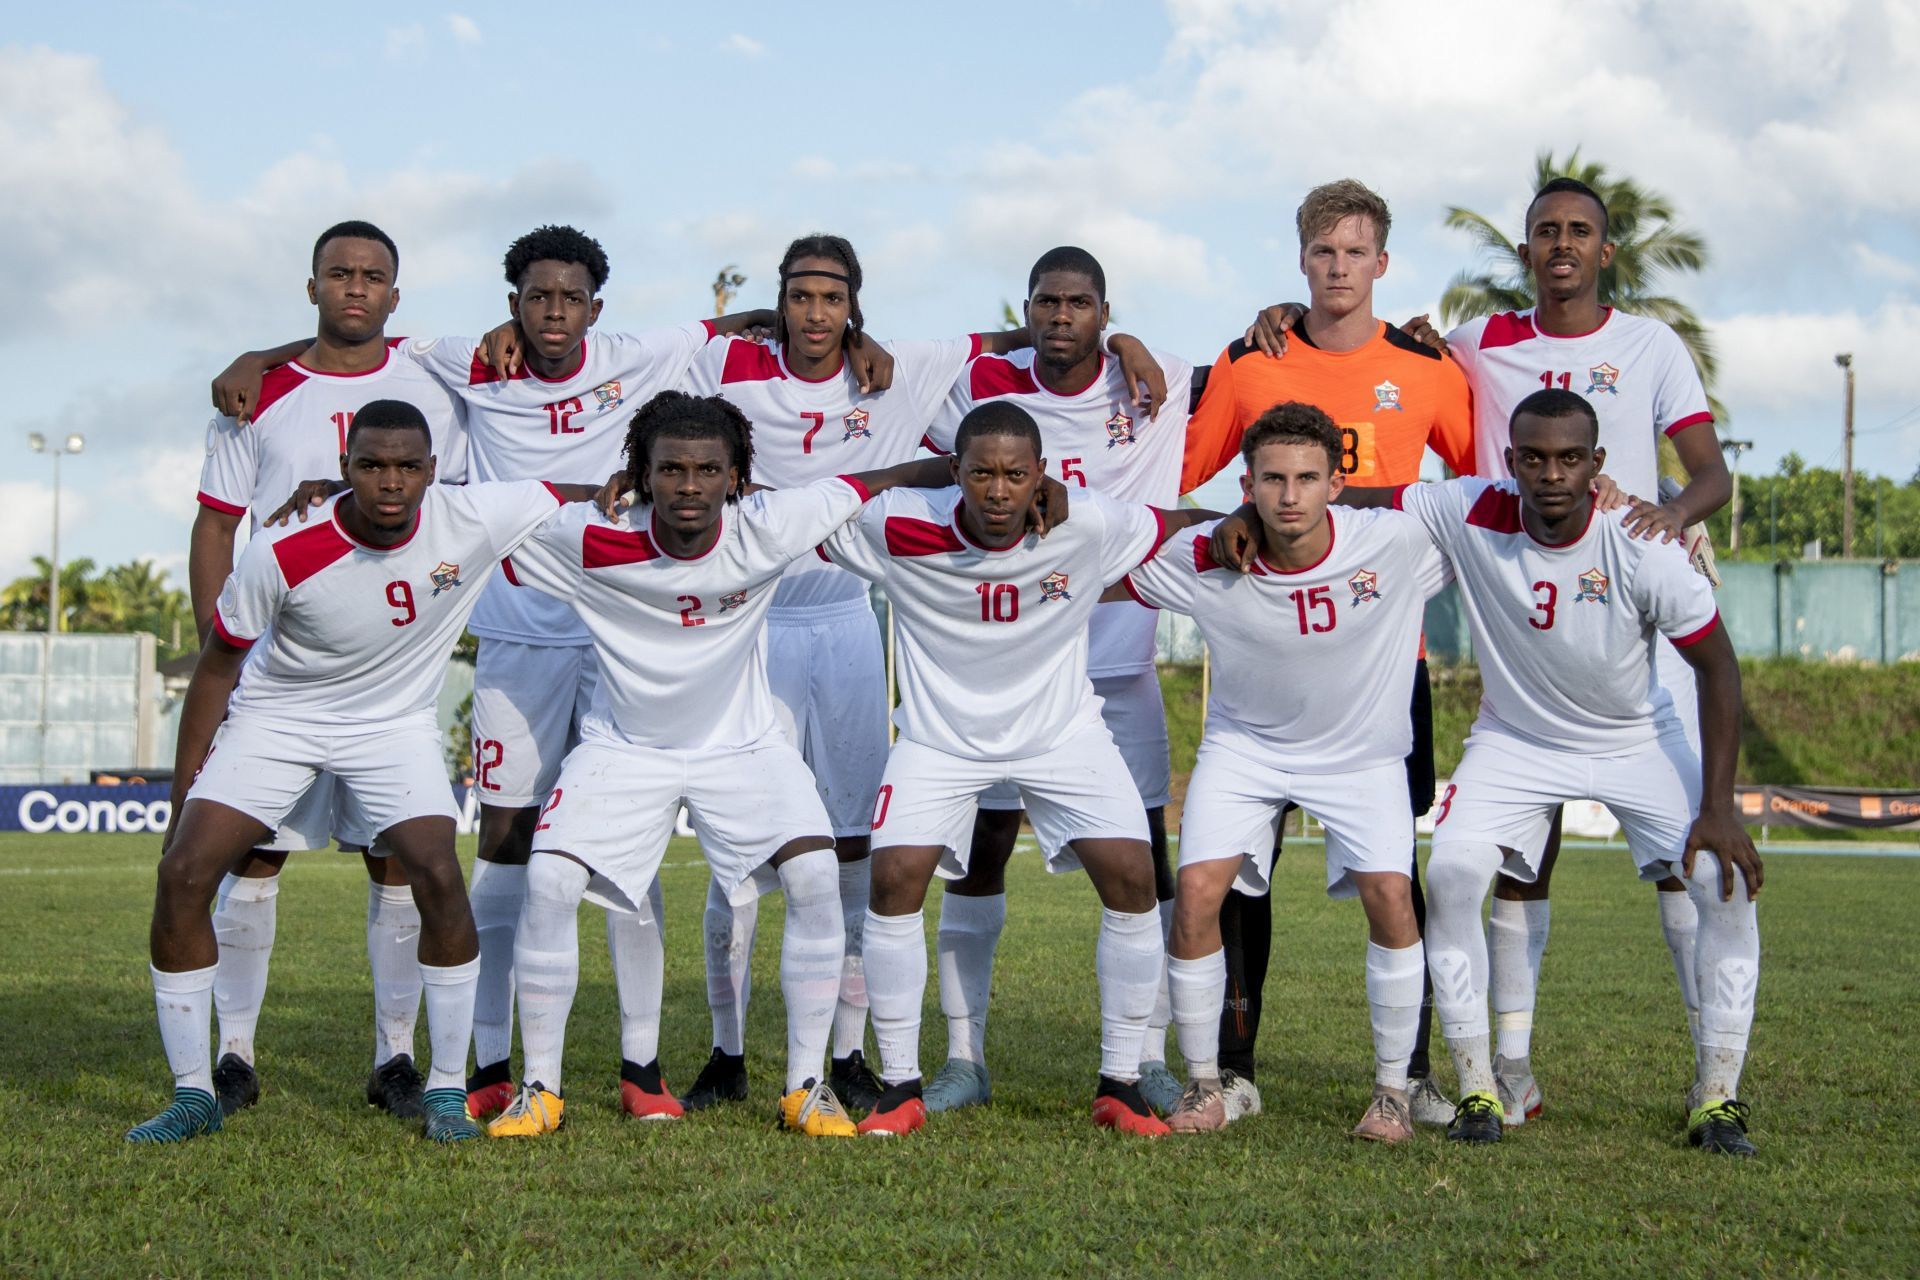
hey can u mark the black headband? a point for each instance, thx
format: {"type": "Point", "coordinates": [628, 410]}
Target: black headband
{"type": "Point", "coordinates": [831, 275]}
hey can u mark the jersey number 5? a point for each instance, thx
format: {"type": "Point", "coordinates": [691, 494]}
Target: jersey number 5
{"type": "Point", "coordinates": [400, 596]}
{"type": "Point", "coordinates": [1546, 597]}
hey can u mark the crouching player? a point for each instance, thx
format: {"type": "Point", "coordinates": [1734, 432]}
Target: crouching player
{"type": "Point", "coordinates": [355, 616]}
{"type": "Point", "coordinates": [991, 628]}
{"type": "Point", "coordinates": [675, 593]}
{"type": "Point", "coordinates": [1313, 664]}
{"type": "Point", "coordinates": [1564, 605]}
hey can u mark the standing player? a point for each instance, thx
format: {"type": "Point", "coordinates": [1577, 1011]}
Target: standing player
{"type": "Point", "coordinates": [992, 641]}
{"type": "Point", "coordinates": [1393, 398]}
{"type": "Point", "coordinates": [355, 617]}
{"type": "Point", "coordinates": [1091, 426]}
{"type": "Point", "coordinates": [676, 592]}
{"type": "Point", "coordinates": [1313, 656]}
{"type": "Point", "coordinates": [1564, 605]}
{"type": "Point", "coordinates": [300, 418]}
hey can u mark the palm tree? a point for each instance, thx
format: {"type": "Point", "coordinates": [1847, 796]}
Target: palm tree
{"type": "Point", "coordinates": [1648, 247]}
{"type": "Point", "coordinates": [86, 604]}
{"type": "Point", "coordinates": [144, 601]}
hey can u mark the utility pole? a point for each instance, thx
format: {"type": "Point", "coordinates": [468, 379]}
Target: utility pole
{"type": "Point", "coordinates": [1845, 361]}
{"type": "Point", "coordinates": [1736, 448]}
{"type": "Point", "coordinates": [726, 287]}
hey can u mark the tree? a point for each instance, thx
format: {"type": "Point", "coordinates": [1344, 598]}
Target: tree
{"type": "Point", "coordinates": [1649, 247]}
{"type": "Point", "coordinates": [127, 597]}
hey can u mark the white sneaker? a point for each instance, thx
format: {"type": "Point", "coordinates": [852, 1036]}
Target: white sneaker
{"type": "Point", "coordinates": [1239, 1095]}
{"type": "Point", "coordinates": [1519, 1094]}
{"type": "Point", "coordinates": [1428, 1104]}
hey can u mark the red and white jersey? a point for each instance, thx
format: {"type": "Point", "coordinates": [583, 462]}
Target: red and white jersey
{"type": "Point", "coordinates": [299, 431]}
{"type": "Point", "coordinates": [1563, 634]}
{"type": "Point", "coordinates": [1634, 371]}
{"type": "Point", "coordinates": [1094, 438]}
{"type": "Point", "coordinates": [360, 634]}
{"type": "Point", "coordinates": [572, 430]}
{"type": "Point", "coordinates": [804, 430]}
{"type": "Point", "coordinates": [1315, 664]}
{"type": "Point", "coordinates": [682, 644]}
{"type": "Point", "coordinates": [992, 645]}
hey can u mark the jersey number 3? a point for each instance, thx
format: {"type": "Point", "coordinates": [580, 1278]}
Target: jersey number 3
{"type": "Point", "coordinates": [1546, 597]}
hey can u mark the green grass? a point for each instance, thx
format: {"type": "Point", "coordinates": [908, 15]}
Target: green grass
{"type": "Point", "coordinates": [313, 1182]}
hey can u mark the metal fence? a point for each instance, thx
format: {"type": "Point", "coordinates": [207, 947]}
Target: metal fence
{"type": "Point", "coordinates": [71, 704]}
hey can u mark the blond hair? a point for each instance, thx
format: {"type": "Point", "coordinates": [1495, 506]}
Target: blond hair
{"type": "Point", "coordinates": [1326, 205]}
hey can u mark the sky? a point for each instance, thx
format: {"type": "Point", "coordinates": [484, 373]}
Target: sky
{"type": "Point", "coordinates": [167, 166]}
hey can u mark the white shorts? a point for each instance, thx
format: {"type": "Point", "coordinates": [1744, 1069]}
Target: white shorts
{"type": "Point", "coordinates": [1506, 791]}
{"type": "Point", "coordinates": [319, 817]}
{"type": "Point", "coordinates": [1136, 716]}
{"type": "Point", "coordinates": [614, 804]}
{"type": "Point", "coordinates": [1675, 692]}
{"type": "Point", "coordinates": [828, 673]}
{"type": "Point", "coordinates": [528, 700]}
{"type": "Point", "coordinates": [1080, 790]}
{"type": "Point", "coordinates": [382, 778]}
{"type": "Point", "coordinates": [1235, 802]}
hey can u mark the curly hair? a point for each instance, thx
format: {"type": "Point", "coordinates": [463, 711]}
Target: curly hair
{"type": "Point", "coordinates": [1577, 187]}
{"type": "Point", "coordinates": [675, 415]}
{"type": "Point", "coordinates": [1292, 422]}
{"type": "Point", "coordinates": [836, 248]}
{"type": "Point", "coordinates": [557, 244]}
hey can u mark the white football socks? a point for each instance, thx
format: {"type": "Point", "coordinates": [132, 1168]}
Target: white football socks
{"type": "Point", "coordinates": [1458, 877]}
{"type": "Point", "coordinates": [969, 933]}
{"type": "Point", "coordinates": [812, 946]}
{"type": "Point", "coordinates": [1727, 969]}
{"type": "Point", "coordinates": [1393, 995]}
{"type": "Point", "coordinates": [729, 944]}
{"type": "Point", "coordinates": [449, 990]}
{"type": "Point", "coordinates": [850, 1011]}
{"type": "Point", "coordinates": [1154, 1047]}
{"type": "Point", "coordinates": [243, 922]}
{"type": "Point", "coordinates": [1516, 940]}
{"type": "Point", "coordinates": [1680, 923]}
{"type": "Point", "coordinates": [393, 954]}
{"type": "Point", "coordinates": [1195, 989]}
{"type": "Point", "coordinates": [639, 974]}
{"type": "Point", "coordinates": [497, 892]}
{"type": "Point", "coordinates": [183, 1001]}
{"type": "Point", "coordinates": [1128, 960]}
{"type": "Point", "coordinates": [546, 963]}
{"type": "Point", "coordinates": [896, 948]}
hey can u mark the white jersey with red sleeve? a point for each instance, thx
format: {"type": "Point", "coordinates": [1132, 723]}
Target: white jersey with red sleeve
{"type": "Point", "coordinates": [681, 643]}
{"type": "Point", "coordinates": [360, 634]}
{"type": "Point", "coordinates": [1094, 438]}
{"type": "Point", "coordinates": [805, 430]}
{"type": "Point", "coordinates": [1314, 665]}
{"type": "Point", "coordinates": [1564, 634]}
{"type": "Point", "coordinates": [299, 431]}
{"type": "Point", "coordinates": [1636, 373]}
{"type": "Point", "coordinates": [571, 430]}
{"type": "Point", "coordinates": [992, 645]}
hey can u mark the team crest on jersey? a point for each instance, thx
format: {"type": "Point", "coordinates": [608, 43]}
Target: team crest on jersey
{"type": "Point", "coordinates": [1593, 586]}
{"type": "Point", "coordinates": [732, 600]}
{"type": "Point", "coordinates": [857, 426]}
{"type": "Point", "coordinates": [445, 578]}
{"type": "Point", "coordinates": [1054, 587]}
{"type": "Point", "coordinates": [1387, 396]}
{"type": "Point", "coordinates": [607, 396]}
{"type": "Point", "coordinates": [1365, 586]}
{"type": "Point", "coordinates": [1603, 379]}
{"type": "Point", "coordinates": [1119, 428]}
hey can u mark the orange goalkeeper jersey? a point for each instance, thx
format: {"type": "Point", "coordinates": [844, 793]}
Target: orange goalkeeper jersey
{"type": "Point", "coordinates": [1392, 398]}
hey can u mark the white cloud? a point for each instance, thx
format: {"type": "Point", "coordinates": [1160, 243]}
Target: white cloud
{"type": "Point", "coordinates": [406, 42]}
{"type": "Point", "coordinates": [744, 46]}
{"type": "Point", "coordinates": [26, 520]}
{"type": "Point", "coordinates": [465, 30]}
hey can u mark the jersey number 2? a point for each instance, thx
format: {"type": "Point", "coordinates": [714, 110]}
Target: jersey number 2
{"type": "Point", "coordinates": [400, 596]}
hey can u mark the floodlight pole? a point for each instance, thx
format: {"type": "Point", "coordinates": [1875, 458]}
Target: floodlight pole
{"type": "Point", "coordinates": [1845, 361]}
{"type": "Point", "coordinates": [1736, 448]}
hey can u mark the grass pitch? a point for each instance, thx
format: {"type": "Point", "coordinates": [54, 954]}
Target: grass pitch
{"type": "Point", "coordinates": [311, 1181]}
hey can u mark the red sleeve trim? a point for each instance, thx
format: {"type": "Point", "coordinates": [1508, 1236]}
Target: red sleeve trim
{"type": "Point", "coordinates": [973, 353]}
{"type": "Point", "coordinates": [821, 551]}
{"type": "Point", "coordinates": [1691, 420]}
{"type": "Point", "coordinates": [506, 567]}
{"type": "Point", "coordinates": [1399, 496]}
{"type": "Point", "coordinates": [713, 330]}
{"type": "Point", "coordinates": [859, 487]}
{"type": "Point", "coordinates": [558, 496]}
{"type": "Point", "coordinates": [220, 629]}
{"type": "Point", "coordinates": [926, 442]}
{"type": "Point", "coordinates": [1159, 535]}
{"type": "Point", "coordinates": [1134, 591]}
{"type": "Point", "coordinates": [224, 508]}
{"type": "Point", "coordinates": [1695, 637]}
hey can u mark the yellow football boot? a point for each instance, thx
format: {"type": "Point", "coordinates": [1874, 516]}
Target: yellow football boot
{"type": "Point", "coordinates": [813, 1110]}
{"type": "Point", "coordinates": [532, 1113]}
